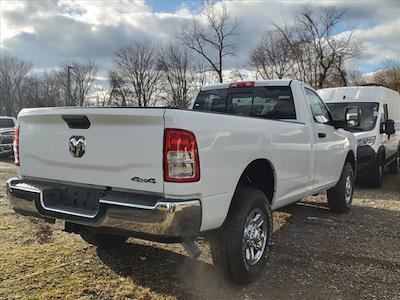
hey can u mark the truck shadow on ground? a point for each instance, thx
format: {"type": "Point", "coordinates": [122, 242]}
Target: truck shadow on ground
{"type": "Point", "coordinates": [164, 272]}
{"type": "Point", "coordinates": [306, 249]}
{"type": "Point", "coordinates": [390, 189]}
{"type": "Point", "coordinates": [6, 159]}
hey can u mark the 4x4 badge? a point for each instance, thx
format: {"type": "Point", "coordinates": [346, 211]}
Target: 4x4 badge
{"type": "Point", "coordinates": [144, 180]}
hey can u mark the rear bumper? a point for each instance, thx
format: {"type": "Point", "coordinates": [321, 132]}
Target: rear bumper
{"type": "Point", "coordinates": [134, 214]}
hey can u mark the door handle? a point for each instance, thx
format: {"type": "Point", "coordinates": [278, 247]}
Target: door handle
{"type": "Point", "coordinates": [321, 135]}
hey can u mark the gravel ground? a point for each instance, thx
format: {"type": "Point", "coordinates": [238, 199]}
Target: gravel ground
{"type": "Point", "coordinates": [315, 254]}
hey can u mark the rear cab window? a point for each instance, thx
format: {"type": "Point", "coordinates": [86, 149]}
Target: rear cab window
{"type": "Point", "coordinates": [269, 102]}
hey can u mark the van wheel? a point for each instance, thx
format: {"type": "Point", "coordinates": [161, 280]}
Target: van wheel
{"type": "Point", "coordinates": [376, 178]}
{"type": "Point", "coordinates": [340, 197]}
{"type": "Point", "coordinates": [241, 246]}
{"type": "Point", "coordinates": [394, 166]}
{"type": "Point", "coordinates": [102, 240]}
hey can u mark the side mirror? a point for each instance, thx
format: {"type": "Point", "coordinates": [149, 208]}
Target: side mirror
{"type": "Point", "coordinates": [388, 127]}
{"type": "Point", "coordinates": [352, 117]}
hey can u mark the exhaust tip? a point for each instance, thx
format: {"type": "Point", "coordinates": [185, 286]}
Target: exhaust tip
{"type": "Point", "coordinates": [192, 249]}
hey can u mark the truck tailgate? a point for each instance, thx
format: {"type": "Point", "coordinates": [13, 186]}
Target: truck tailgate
{"type": "Point", "coordinates": [123, 146]}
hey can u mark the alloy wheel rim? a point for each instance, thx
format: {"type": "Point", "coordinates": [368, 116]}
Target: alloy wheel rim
{"type": "Point", "coordinates": [254, 237]}
{"type": "Point", "coordinates": [348, 190]}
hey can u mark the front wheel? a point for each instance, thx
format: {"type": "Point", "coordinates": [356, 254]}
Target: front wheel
{"type": "Point", "coordinates": [240, 247]}
{"type": "Point", "coordinates": [340, 197]}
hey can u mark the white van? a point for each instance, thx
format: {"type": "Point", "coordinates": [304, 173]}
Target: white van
{"type": "Point", "coordinates": [378, 133]}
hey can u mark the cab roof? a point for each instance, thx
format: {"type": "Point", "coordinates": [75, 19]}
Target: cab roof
{"type": "Point", "coordinates": [225, 85]}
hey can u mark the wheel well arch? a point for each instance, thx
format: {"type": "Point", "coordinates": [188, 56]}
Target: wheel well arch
{"type": "Point", "coordinates": [350, 158]}
{"type": "Point", "coordinates": [261, 175]}
{"type": "Point", "coordinates": [382, 152]}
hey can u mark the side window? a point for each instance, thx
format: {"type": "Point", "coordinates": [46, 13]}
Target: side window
{"type": "Point", "coordinates": [213, 100]}
{"type": "Point", "coordinates": [319, 111]}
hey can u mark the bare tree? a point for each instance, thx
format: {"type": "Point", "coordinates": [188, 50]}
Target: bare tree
{"type": "Point", "coordinates": [135, 73]}
{"type": "Point", "coordinates": [273, 57]}
{"type": "Point", "coordinates": [177, 70]}
{"type": "Point", "coordinates": [213, 41]}
{"type": "Point", "coordinates": [12, 74]}
{"type": "Point", "coordinates": [355, 77]}
{"type": "Point", "coordinates": [81, 81]}
{"type": "Point", "coordinates": [204, 76]}
{"type": "Point", "coordinates": [41, 89]}
{"type": "Point", "coordinates": [84, 75]}
{"type": "Point", "coordinates": [101, 96]}
{"type": "Point", "coordinates": [237, 75]}
{"type": "Point", "coordinates": [120, 94]}
{"type": "Point", "coordinates": [319, 53]}
{"type": "Point", "coordinates": [389, 76]}
{"type": "Point", "coordinates": [21, 88]}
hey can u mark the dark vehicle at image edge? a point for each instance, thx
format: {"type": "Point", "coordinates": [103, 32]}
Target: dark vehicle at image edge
{"type": "Point", "coordinates": [7, 125]}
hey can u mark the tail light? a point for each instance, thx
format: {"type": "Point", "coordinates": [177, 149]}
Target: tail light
{"type": "Point", "coordinates": [242, 84]}
{"type": "Point", "coordinates": [16, 146]}
{"type": "Point", "coordinates": [181, 157]}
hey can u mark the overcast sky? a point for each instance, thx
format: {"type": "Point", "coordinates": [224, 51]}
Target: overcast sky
{"type": "Point", "coordinates": [48, 33]}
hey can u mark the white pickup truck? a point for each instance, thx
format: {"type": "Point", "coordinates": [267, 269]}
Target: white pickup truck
{"type": "Point", "coordinates": [216, 171]}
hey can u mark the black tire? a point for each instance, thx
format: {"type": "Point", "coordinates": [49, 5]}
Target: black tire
{"type": "Point", "coordinates": [340, 197]}
{"type": "Point", "coordinates": [394, 166]}
{"type": "Point", "coordinates": [229, 249]}
{"type": "Point", "coordinates": [102, 240]}
{"type": "Point", "coordinates": [376, 178]}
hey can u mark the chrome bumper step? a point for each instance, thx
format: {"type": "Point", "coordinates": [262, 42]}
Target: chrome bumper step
{"type": "Point", "coordinates": [125, 211]}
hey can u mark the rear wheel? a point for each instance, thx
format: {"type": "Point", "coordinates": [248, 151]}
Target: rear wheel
{"type": "Point", "coordinates": [394, 166]}
{"type": "Point", "coordinates": [240, 247]}
{"type": "Point", "coordinates": [102, 240]}
{"type": "Point", "coordinates": [340, 197]}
